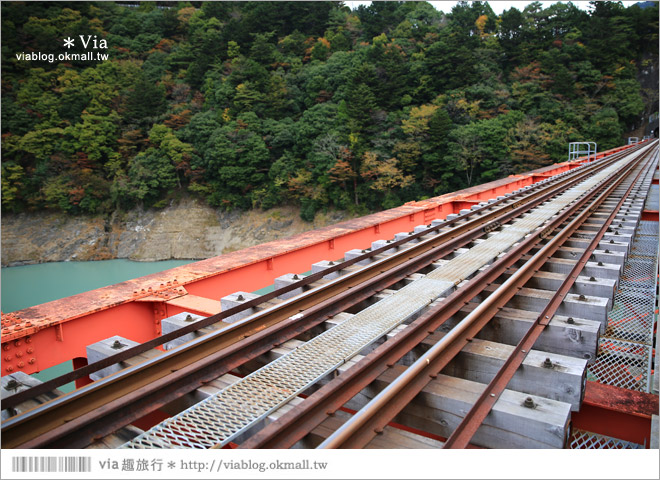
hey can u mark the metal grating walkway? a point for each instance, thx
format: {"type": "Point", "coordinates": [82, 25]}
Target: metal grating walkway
{"type": "Point", "coordinates": [625, 351]}
{"type": "Point", "coordinates": [588, 440]}
{"type": "Point", "coordinates": [653, 199]}
{"type": "Point", "coordinates": [224, 416]}
{"type": "Point", "coordinates": [622, 363]}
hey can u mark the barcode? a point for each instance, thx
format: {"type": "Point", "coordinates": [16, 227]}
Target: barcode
{"type": "Point", "coordinates": [51, 464]}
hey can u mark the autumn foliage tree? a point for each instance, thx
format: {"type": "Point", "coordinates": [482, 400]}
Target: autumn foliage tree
{"type": "Point", "coordinates": [257, 104]}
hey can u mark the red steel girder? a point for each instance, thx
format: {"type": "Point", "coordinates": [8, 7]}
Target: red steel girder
{"type": "Point", "coordinates": [617, 412]}
{"type": "Point", "coordinates": [60, 330]}
{"type": "Point", "coordinates": [454, 239]}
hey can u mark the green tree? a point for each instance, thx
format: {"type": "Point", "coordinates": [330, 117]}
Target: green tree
{"type": "Point", "coordinates": [251, 104]}
{"type": "Point", "coordinates": [12, 184]}
{"type": "Point", "coordinates": [150, 174]}
{"type": "Point", "coordinates": [145, 102]}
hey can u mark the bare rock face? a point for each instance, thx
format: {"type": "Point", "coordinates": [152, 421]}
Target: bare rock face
{"type": "Point", "coordinates": [51, 237]}
{"type": "Point", "coordinates": [188, 229]}
{"type": "Point", "coordinates": [176, 232]}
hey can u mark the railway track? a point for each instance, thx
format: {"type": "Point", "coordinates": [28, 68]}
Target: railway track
{"type": "Point", "coordinates": [353, 350]}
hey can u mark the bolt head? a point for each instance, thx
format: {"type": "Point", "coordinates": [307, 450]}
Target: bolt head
{"type": "Point", "coordinates": [12, 385]}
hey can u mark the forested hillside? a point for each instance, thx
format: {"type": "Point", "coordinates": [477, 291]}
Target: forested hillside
{"type": "Point", "coordinates": [256, 104]}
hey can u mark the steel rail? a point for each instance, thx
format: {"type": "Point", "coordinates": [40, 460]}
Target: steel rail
{"type": "Point", "coordinates": [292, 426]}
{"type": "Point", "coordinates": [17, 398]}
{"type": "Point", "coordinates": [216, 363]}
{"type": "Point", "coordinates": [461, 436]}
{"type": "Point", "coordinates": [155, 342]}
{"type": "Point", "coordinates": [138, 349]}
{"type": "Point", "coordinates": [100, 408]}
{"type": "Point", "coordinates": [371, 419]}
{"type": "Point", "coordinates": [49, 385]}
{"type": "Point", "coordinates": [139, 389]}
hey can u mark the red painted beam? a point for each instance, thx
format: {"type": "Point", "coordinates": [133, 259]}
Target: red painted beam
{"type": "Point", "coordinates": [60, 330]}
{"type": "Point", "coordinates": [65, 341]}
{"type": "Point", "coordinates": [650, 215]}
{"type": "Point", "coordinates": [151, 419]}
{"type": "Point", "coordinates": [617, 412]}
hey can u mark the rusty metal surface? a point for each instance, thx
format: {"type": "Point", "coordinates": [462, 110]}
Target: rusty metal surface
{"type": "Point", "coordinates": [616, 399]}
{"type": "Point", "coordinates": [158, 390]}
{"type": "Point", "coordinates": [295, 424]}
{"type": "Point", "coordinates": [225, 415]}
{"type": "Point", "coordinates": [213, 369]}
{"type": "Point", "coordinates": [175, 293]}
{"type": "Point", "coordinates": [30, 320]}
{"type": "Point", "coordinates": [93, 404]}
{"type": "Point", "coordinates": [372, 418]}
{"type": "Point", "coordinates": [471, 422]}
{"type": "Point", "coordinates": [617, 412]}
{"type": "Point", "coordinates": [195, 303]}
{"type": "Point", "coordinates": [172, 293]}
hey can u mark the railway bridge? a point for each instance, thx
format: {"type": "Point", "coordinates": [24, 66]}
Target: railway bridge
{"type": "Point", "coordinates": [521, 313]}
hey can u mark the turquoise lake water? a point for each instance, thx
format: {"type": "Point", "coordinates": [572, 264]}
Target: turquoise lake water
{"type": "Point", "coordinates": [30, 285]}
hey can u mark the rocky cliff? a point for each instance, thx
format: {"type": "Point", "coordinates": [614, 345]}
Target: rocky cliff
{"type": "Point", "coordinates": [185, 230]}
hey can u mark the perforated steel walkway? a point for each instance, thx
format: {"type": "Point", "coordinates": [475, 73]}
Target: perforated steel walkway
{"type": "Point", "coordinates": [581, 439]}
{"type": "Point", "coordinates": [625, 351]}
{"type": "Point", "coordinates": [224, 416]}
